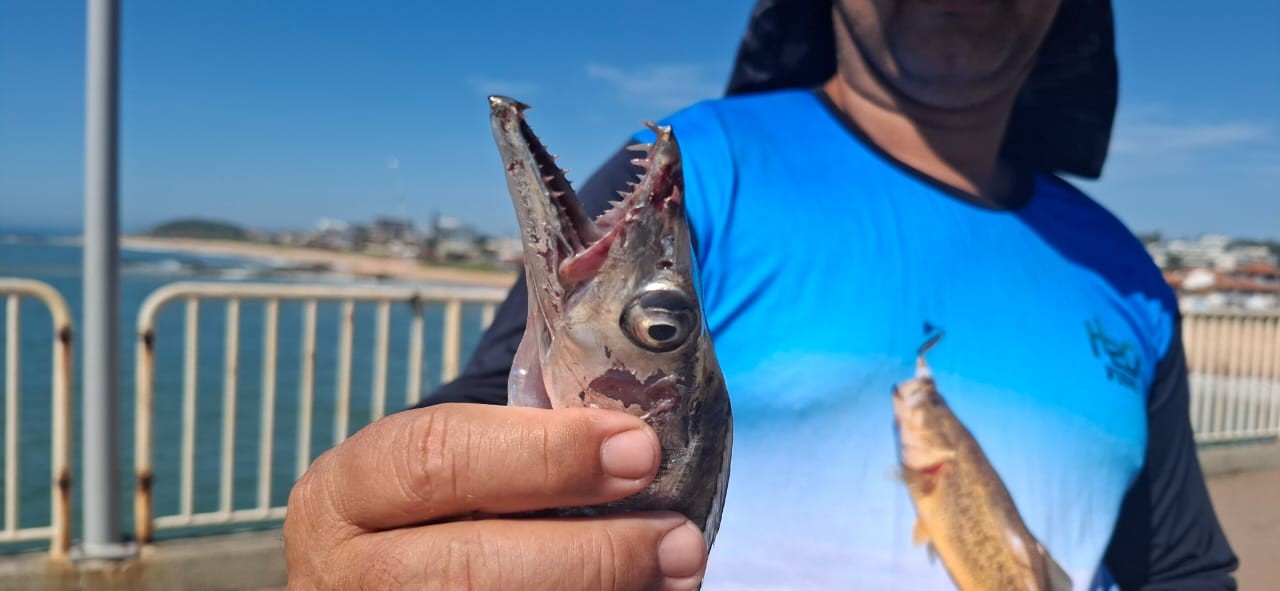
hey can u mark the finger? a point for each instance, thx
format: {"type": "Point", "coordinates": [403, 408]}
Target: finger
{"type": "Point", "coordinates": [458, 459]}
{"type": "Point", "coordinates": [619, 553]}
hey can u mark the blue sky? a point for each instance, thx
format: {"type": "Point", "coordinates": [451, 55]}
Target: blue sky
{"type": "Point", "coordinates": [277, 114]}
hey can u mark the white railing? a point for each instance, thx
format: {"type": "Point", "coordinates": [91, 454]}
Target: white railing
{"type": "Point", "coordinates": [271, 296]}
{"type": "Point", "coordinates": [58, 531]}
{"type": "Point", "coordinates": [1234, 361]}
{"type": "Point", "coordinates": [1234, 358]}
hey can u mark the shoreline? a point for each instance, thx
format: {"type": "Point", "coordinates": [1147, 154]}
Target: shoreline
{"type": "Point", "coordinates": [357, 264]}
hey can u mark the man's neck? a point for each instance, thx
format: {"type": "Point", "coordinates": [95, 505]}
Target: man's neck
{"type": "Point", "coordinates": [957, 149]}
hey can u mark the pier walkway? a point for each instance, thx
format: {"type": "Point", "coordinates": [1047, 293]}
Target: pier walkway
{"type": "Point", "coordinates": [1244, 482]}
{"type": "Point", "coordinates": [1248, 504]}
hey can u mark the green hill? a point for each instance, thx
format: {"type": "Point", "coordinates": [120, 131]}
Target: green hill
{"type": "Point", "coordinates": [198, 228]}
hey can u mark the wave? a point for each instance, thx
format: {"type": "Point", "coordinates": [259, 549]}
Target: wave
{"type": "Point", "coordinates": [223, 267]}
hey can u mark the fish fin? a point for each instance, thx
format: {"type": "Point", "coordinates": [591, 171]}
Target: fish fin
{"type": "Point", "coordinates": [920, 533]}
{"type": "Point", "coordinates": [525, 385]}
{"type": "Point", "coordinates": [929, 459]}
{"type": "Point", "coordinates": [1059, 580]}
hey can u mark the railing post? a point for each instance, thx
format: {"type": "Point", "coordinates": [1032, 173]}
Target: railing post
{"type": "Point", "coordinates": [60, 545]}
{"type": "Point", "coordinates": [143, 420]}
{"type": "Point", "coordinates": [102, 535]}
{"type": "Point", "coordinates": [452, 339]}
{"type": "Point", "coordinates": [60, 453]}
{"type": "Point", "coordinates": [12, 386]}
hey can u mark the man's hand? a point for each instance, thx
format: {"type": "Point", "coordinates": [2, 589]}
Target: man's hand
{"type": "Point", "coordinates": [415, 500]}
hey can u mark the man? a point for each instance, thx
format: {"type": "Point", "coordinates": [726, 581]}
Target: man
{"type": "Point", "coordinates": [909, 194]}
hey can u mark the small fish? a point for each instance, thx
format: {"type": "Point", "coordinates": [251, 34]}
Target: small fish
{"type": "Point", "coordinates": [964, 513]}
{"type": "Point", "coordinates": [614, 317]}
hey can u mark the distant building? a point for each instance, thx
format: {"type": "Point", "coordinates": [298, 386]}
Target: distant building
{"type": "Point", "coordinates": [1239, 257]}
{"type": "Point", "coordinates": [329, 234]}
{"type": "Point", "coordinates": [387, 229]}
{"type": "Point", "coordinates": [327, 225]}
{"type": "Point", "coordinates": [507, 251]}
{"type": "Point", "coordinates": [1211, 251]}
{"type": "Point", "coordinates": [444, 239]}
{"type": "Point", "coordinates": [1260, 273]}
{"type": "Point", "coordinates": [452, 241]}
{"type": "Point", "coordinates": [1255, 286]}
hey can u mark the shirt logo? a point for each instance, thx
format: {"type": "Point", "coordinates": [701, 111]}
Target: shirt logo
{"type": "Point", "coordinates": [1122, 361]}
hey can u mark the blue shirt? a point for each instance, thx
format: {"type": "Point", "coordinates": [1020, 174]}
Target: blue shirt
{"type": "Point", "coordinates": [822, 262]}
{"type": "Point", "coordinates": [825, 264]}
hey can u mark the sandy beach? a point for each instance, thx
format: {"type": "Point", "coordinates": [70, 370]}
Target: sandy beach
{"type": "Point", "coordinates": [343, 262]}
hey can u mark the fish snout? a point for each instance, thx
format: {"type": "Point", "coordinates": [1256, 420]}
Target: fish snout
{"type": "Point", "coordinates": [902, 403]}
{"type": "Point", "coordinates": [910, 392]}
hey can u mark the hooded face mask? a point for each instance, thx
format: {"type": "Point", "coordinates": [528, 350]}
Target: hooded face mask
{"type": "Point", "coordinates": [1061, 121]}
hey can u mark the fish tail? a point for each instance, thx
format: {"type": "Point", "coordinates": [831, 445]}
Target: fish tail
{"type": "Point", "coordinates": [1059, 580]}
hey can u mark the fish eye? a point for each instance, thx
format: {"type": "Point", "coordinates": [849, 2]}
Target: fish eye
{"type": "Point", "coordinates": [660, 319]}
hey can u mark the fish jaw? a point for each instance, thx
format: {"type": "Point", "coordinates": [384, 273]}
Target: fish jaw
{"type": "Point", "coordinates": [577, 268]}
{"type": "Point", "coordinates": [533, 180]}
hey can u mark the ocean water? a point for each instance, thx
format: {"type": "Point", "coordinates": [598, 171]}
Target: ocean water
{"type": "Point", "coordinates": [142, 272]}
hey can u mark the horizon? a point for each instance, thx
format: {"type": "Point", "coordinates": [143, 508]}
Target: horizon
{"type": "Point", "coordinates": [354, 112]}
{"type": "Point", "coordinates": [77, 231]}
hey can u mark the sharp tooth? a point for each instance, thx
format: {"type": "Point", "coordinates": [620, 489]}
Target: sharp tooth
{"type": "Point", "coordinates": [622, 194]}
{"type": "Point", "coordinates": [640, 162]}
{"type": "Point", "coordinates": [639, 147]}
{"type": "Point", "coordinates": [548, 178]}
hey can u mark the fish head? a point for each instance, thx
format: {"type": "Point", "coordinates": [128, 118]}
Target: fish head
{"type": "Point", "coordinates": [614, 317]}
{"type": "Point", "coordinates": [923, 421]}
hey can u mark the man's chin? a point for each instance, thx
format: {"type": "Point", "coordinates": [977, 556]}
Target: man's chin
{"type": "Point", "coordinates": [946, 82]}
{"type": "Point", "coordinates": [952, 94]}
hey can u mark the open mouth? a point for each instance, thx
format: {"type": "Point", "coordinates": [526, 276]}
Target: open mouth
{"type": "Point", "coordinates": [582, 244]}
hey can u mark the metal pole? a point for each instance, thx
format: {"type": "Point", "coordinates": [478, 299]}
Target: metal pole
{"type": "Point", "coordinates": [102, 535]}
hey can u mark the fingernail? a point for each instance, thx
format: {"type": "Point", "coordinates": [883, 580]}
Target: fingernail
{"type": "Point", "coordinates": [681, 554]}
{"type": "Point", "coordinates": [629, 454]}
